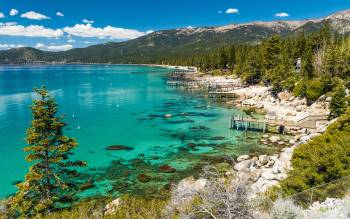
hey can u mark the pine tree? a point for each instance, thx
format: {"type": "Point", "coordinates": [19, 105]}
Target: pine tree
{"type": "Point", "coordinates": [49, 181]}
{"type": "Point", "coordinates": [251, 69]}
{"type": "Point", "coordinates": [338, 104]}
{"type": "Point", "coordinates": [272, 51]}
{"type": "Point", "coordinates": [330, 61]}
{"type": "Point", "coordinates": [307, 69]}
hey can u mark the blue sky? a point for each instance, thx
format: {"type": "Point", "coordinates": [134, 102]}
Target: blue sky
{"type": "Point", "coordinates": [62, 24]}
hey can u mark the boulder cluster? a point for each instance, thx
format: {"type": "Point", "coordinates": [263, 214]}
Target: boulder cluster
{"type": "Point", "coordinates": [264, 171]}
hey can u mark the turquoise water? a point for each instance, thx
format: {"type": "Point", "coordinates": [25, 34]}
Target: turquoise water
{"type": "Point", "coordinates": [118, 105]}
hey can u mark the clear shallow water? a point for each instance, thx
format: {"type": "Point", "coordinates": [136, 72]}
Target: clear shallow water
{"type": "Point", "coordinates": [118, 105]}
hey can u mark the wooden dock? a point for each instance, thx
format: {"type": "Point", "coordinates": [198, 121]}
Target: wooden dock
{"type": "Point", "coordinates": [240, 122]}
{"type": "Point", "coordinates": [181, 78]}
{"type": "Point", "coordinates": [223, 90]}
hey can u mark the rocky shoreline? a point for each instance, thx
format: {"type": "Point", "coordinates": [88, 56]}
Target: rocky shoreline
{"type": "Point", "coordinates": [265, 171]}
{"type": "Point", "coordinates": [259, 172]}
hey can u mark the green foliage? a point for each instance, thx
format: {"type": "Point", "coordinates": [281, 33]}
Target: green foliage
{"type": "Point", "coordinates": [307, 69]}
{"type": "Point", "coordinates": [314, 90]}
{"type": "Point", "coordinates": [338, 104]}
{"type": "Point", "coordinates": [322, 160]}
{"type": "Point", "coordinates": [272, 49]}
{"type": "Point", "coordinates": [252, 68]}
{"type": "Point", "coordinates": [216, 72]}
{"type": "Point", "coordinates": [49, 183]}
{"type": "Point", "coordinates": [300, 88]}
{"type": "Point", "coordinates": [139, 207]}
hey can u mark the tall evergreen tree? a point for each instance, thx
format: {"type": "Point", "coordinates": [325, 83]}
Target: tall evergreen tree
{"type": "Point", "coordinates": [330, 61]}
{"type": "Point", "coordinates": [338, 104]}
{"type": "Point", "coordinates": [272, 49]}
{"type": "Point", "coordinates": [252, 68]}
{"type": "Point", "coordinates": [307, 68]}
{"type": "Point", "coordinates": [50, 178]}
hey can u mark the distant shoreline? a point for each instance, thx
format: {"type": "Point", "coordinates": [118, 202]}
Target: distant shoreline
{"type": "Point", "coordinates": [106, 64]}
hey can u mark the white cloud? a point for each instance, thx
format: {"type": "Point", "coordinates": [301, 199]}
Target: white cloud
{"type": "Point", "coordinates": [2, 15]}
{"type": "Point", "coordinates": [86, 21]}
{"type": "Point", "coordinates": [232, 11]}
{"type": "Point", "coordinates": [8, 24]}
{"type": "Point", "coordinates": [282, 14]}
{"type": "Point", "coordinates": [54, 48]}
{"type": "Point", "coordinates": [30, 31]}
{"type": "Point", "coordinates": [34, 16]}
{"type": "Point", "coordinates": [59, 14]}
{"type": "Point", "coordinates": [10, 46]}
{"type": "Point", "coordinates": [13, 12]}
{"type": "Point", "coordinates": [87, 30]}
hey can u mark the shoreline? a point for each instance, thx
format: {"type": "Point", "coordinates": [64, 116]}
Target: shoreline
{"type": "Point", "coordinates": [106, 64]}
{"type": "Point", "coordinates": [263, 171]}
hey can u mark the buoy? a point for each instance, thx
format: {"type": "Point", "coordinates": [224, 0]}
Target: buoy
{"type": "Point", "coordinates": [78, 127]}
{"type": "Point", "coordinates": [117, 105]}
{"type": "Point", "coordinates": [73, 116]}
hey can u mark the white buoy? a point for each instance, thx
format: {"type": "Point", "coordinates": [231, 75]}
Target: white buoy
{"type": "Point", "coordinates": [78, 127]}
{"type": "Point", "coordinates": [73, 116]}
{"type": "Point", "coordinates": [117, 105]}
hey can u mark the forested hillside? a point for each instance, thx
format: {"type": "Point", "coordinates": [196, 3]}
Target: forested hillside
{"type": "Point", "coordinates": [170, 46]}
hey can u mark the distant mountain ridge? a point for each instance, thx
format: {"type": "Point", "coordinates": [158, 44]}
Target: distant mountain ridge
{"type": "Point", "coordinates": [161, 45]}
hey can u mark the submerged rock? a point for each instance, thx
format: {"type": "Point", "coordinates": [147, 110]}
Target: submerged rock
{"type": "Point", "coordinates": [199, 128]}
{"type": "Point", "coordinates": [217, 138]}
{"type": "Point", "coordinates": [167, 169]}
{"type": "Point", "coordinates": [143, 178]}
{"type": "Point", "coordinates": [119, 148]}
{"type": "Point", "coordinates": [191, 145]}
{"type": "Point", "coordinates": [87, 185]}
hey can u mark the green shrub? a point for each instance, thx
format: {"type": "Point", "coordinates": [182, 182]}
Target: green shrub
{"type": "Point", "coordinates": [322, 160]}
{"type": "Point", "coordinates": [338, 104]}
{"type": "Point", "coordinates": [216, 72]}
{"type": "Point", "coordinates": [300, 89]}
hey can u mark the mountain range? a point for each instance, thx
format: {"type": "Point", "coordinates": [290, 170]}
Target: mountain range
{"type": "Point", "coordinates": [165, 44]}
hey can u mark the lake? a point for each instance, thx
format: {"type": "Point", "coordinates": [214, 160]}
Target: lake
{"type": "Point", "coordinates": [119, 105]}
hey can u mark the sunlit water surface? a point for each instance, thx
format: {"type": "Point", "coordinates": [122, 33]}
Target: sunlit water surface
{"type": "Point", "coordinates": [118, 105]}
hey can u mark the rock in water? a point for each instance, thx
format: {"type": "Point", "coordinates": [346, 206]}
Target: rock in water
{"type": "Point", "coordinates": [119, 148]}
{"type": "Point", "coordinates": [217, 138]}
{"type": "Point", "coordinates": [86, 186]}
{"type": "Point", "coordinates": [191, 145]}
{"type": "Point", "coordinates": [167, 169]}
{"type": "Point", "coordinates": [143, 178]}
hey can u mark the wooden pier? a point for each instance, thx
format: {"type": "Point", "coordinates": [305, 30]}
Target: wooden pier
{"type": "Point", "coordinates": [223, 90]}
{"type": "Point", "coordinates": [181, 78]}
{"type": "Point", "coordinates": [238, 122]}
